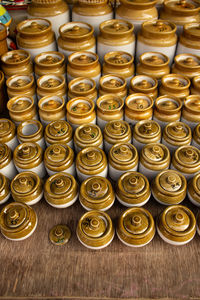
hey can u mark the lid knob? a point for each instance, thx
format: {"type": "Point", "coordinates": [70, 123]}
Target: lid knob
{"type": "Point", "coordinates": [51, 82]}
{"type": "Point", "coordinates": [91, 155]}
{"type": "Point", "coordinates": [96, 186]}
{"type": "Point", "coordinates": [155, 149]}
{"type": "Point", "coordinates": [56, 150]}
{"type": "Point", "coordinates": [82, 86]}
{"type": "Point", "coordinates": [175, 82]}
{"type": "Point", "coordinates": [113, 82]}
{"type": "Point", "coordinates": [144, 83]}
{"type": "Point", "coordinates": [59, 183]}
{"type": "Point", "coordinates": [49, 58]}
{"type": "Point", "coordinates": [178, 217]}
{"type": "Point", "coordinates": [20, 82]}
{"type": "Point", "coordinates": [197, 102]}
{"type": "Point", "coordinates": [136, 220]}
{"type": "Point", "coordinates": [57, 126]}
{"type": "Point", "coordinates": [154, 58]}
{"type": "Point", "coordinates": [1, 125]}
{"type": "Point", "coordinates": [34, 24]}
{"type": "Point", "coordinates": [16, 56]}
{"type": "Point", "coordinates": [26, 150]}
{"type": "Point", "coordinates": [123, 149]}
{"type": "Point", "coordinates": [189, 60]}
{"type": "Point", "coordinates": [147, 126]}
{"type": "Point", "coordinates": [76, 28]}
{"type": "Point", "coordinates": [58, 232]}
{"type": "Point", "coordinates": [94, 223]}
{"type": "Point", "coordinates": [171, 179]}
{"type": "Point", "coordinates": [23, 181]}
{"type": "Point", "coordinates": [189, 152]}
{"type": "Point", "coordinates": [140, 103]}
{"type": "Point", "coordinates": [13, 214]}
{"type": "Point", "coordinates": [178, 128]}
{"type": "Point", "coordinates": [117, 125]}
{"type": "Point", "coordinates": [133, 181]}
{"type": "Point", "coordinates": [83, 57]}
{"type": "Point", "coordinates": [20, 102]}
{"type": "Point", "coordinates": [87, 130]}
{"type": "Point", "coordinates": [159, 23]}
{"type": "Point", "coordinates": [116, 25]}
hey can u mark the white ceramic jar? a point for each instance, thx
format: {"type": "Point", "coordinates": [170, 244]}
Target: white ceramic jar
{"type": "Point", "coordinates": [189, 41]}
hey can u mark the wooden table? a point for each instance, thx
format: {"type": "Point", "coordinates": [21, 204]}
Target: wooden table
{"type": "Point", "coordinates": [37, 269]}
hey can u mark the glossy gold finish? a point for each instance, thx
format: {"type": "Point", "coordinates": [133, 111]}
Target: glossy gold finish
{"type": "Point", "coordinates": [167, 109]}
{"type": "Point", "coordinates": [58, 132]}
{"type": "Point", "coordinates": [177, 134]}
{"type": "Point", "coordinates": [3, 36]}
{"type": "Point", "coordinates": [191, 109]}
{"type": "Point", "coordinates": [117, 132]}
{"type": "Point", "coordinates": [3, 97]}
{"type": "Point", "coordinates": [88, 135]}
{"type": "Point", "coordinates": [5, 155]}
{"type": "Point", "coordinates": [196, 134]}
{"type": "Point", "coordinates": [147, 131]}
{"type": "Point", "coordinates": [51, 108]}
{"type": "Point", "coordinates": [194, 189]}
{"type": "Point", "coordinates": [123, 156]}
{"type": "Point", "coordinates": [7, 130]}
{"type": "Point", "coordinates": [30, 131]}
{"type": "Point", "coordinates": [113, 84]}
{"type": "Point", "coordinates": [4, 188]}
{"type": "Point", "coordinates": [28, 155]}
{"type": "Point", "coordinates": [60, 235]}
{"type": "Point", "coordinates": [51, 85]}
{"type": "Point", "coordinates": [186, 65]}
{"type": "Point", "coordinates": [18, 85]}
{"type": "Point", "coordinates": [195, 88]}
{"type": "Point", "coordinates": [145, 85]}
{"type": "Point", "coordinates": [82, 87]}
{"type": "Point", "coordinates": [190, 36]}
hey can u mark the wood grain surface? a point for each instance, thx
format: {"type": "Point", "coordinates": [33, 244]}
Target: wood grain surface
{"type": "Point", "coordinates": [37, 269]}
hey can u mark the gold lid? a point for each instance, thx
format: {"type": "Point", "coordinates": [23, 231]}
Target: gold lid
{"type": "Point", "coordinates": [123, 156]}
{"type": "Point", "coordinates": [159, 28]}
{"type": "Point", "coordinates": [196, 134]}
{"type": "Point", "coordinates": [51, 103]}
{"type": "Point", "coordinates": [60, 235]}
{"type": "Point", "coordinates": [17, 220]}
{"type": "Point", "coordinates": [194, 188]}
{"type": "Point", "coordinates": [147, 131]}
{"type": "Point", "coordinates": [182, 6]}
{"type": "Point", "coordinates": [58, 157]}
{"type": "Point", "coordinates": [133, 188]}
{"type": "Point", "coordinates": [76, 30]}
{"type": "Point", "coordinates": [154, 59]}
{"type": "Point", "coordinates": [116, 27]}
{"type": "Point", "coordinates": [80, 106]}
{"type": "Point", "coordinates": [88, 135]}
{"type": "Point", "coordinates": [20, 82]}
{"type": "Point", "coordinates": [187, 61]}
{"type": "Point", "coordinates": [192, 30]}
{"type": "Point", "coordinates": [177, 134]}
{"type": "Point", "coordinates": [51, 82]}
{"type": "Point", "coordinates": [15, 57]}
{"type": "Point", "coordinates": [7, 130]}
{"type": "Point", "coordinates": [175, 82]}
{"type": "Point", "coordinates": [136, 227]}
{"type": "Point", "coordinates": [140, 4]}
{"type": "Point", "coordinates": [109, 103]}
{"type": "Point", "coordinates": [20, 104]}
{"type": "Point", "coordinates": [60, 188]}
{"type": "Point", "coordinates": [97, 193]}
{"type": "Point", "coordinates": [4, 188]}
{"type": "Point", "coordinates": [192, 104]}
{"type": "Point", "coordinates": [5, 155]}
{"type": "Point", "coordinates": [95, 229]}
{"type": "Point", "coordinates": [177, 223]}
{"type": "Point", "coordinates": [112, 83]}
{"type": "Point", "coordinates": [117, 131]}
{"type": "Point", "coordinates": [83, 59]}
{"type": "Point", "coordinates": [143, 83]}
{"type": "Point", "coordinates": [169, 187]}
{"type": "Point", "coordinates": [81, 86]}
{"type": "Point", "coordinates": [186, 159]}
{"type": "Point", "coordinates": [26, 187]}
{"type": "Point", "coordinates": [196, 82]}
{"type": "Point", "coordinates": [168, 105]}
{"type": "Point", "coordinates": [31, 130]}
{"type": "Point", "coordinates": [58, 132]}
{"type": "Point", "coordinates": [49, 59]}
{"type": "Point", "coordinates": [118, 58]}
{"type": "Point", "coordinates": [32, 27]}
{"type": "Point", "coordinates": [28, 155]}
{"type": "Point", "coordinates": [155, 156]}
{"type": "Point", "coordinates": [91, 161]}
{"type": "Point", "coordinates": [139, 102]}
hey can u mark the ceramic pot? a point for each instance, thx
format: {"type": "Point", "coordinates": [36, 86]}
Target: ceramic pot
{"type": "Point", "coordinates": [145, 85]}
{"type": "Point", "coordinates": [82, 87]}
{"type": "Point", "coordinates": [8, 133]}
{"type": "Point", "coordinates": [59, 132]}
{"type": "Point", "coordinates": [189, 41]}
{"type": "Point", "coordinates": [193, 191]}
{"type": "Point", "coordinates": [187, 65]}
{"type": "Point", "coordinates": [88, 135]}
{"type": "Point", "coordinates": [7, 167]}
{"type": "Point", "coordinates": [3, 42]}
{"type": "Point", "coordinates": [191, 111]}
{"type": "Point", "coordinates": [4, 189]}
{"type": "Point", "coordinates": [113, 84]}
{"type": "Point", "coordinates": [196, 136]}
{"type": "Point", "coordinates": [195, 88]}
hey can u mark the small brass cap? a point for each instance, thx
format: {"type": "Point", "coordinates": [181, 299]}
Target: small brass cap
{"type": "Point", "coordinates": [186, 159]}
{"type": "Point", "coordinates": [117, 132]}
{"type": "Point", "coordinates": [4, 188]}
{"type": "Point", "coordinates": [60, 235]}
{"type": "Point", "coordinates": [136, 227]}
{"type": "Point", "coordinates": [95, 229]}
{"type": "Point", "coordinates": [133, 189]}
{"type": "Point", "coordinates": [194, 189]}
{"type": "Point", "coordinates": [147, 131]}
{"type": "Point", "coordinates": [58, 132]}
{"type": "Point", "coordinates": [169, 187]}
{"type": "Point", "coordinates": [96, 193]}
{"type": "Point", "coordinates": [88, 135]}
{"type": "Point", "coordinates": [17, 221]}
{"type": "Point", "coordinates": [176, 225]}
{"type": "Point", "coordinates": [123, 156]}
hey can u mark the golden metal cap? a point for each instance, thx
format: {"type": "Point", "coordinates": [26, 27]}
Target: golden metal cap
{"type": "Point", "coordinates": [123, 156]}
{"type": "Point", "coordinates": [59, 235]}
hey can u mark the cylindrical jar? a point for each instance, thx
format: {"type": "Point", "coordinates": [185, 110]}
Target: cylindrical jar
{"type": "Point", "coordinates": [136, 227]}
{"type": "Point", "coordinates": [22, 108]}
{"type": "Point", "coordinates": [21, 85]}
{"type": "Point", "coordinates": [35, 36]}
{"type": "Point", "coordinates": [119, 63]}
{"type": "Point", "coordinates": [191, 111]}
{"type": "Point", "coordinates": [109, 107]}
{"type": "Point", "coordinates": [22, 216]}
{"type": "Point", "coordinates": [80, 111]}
{"type": "Point", "coordinates": [76, 36]}
{"type": "Point", "coordinates": [138, 107]}
{"type": "Point", "coordinates": [82, 87]}
{"type": "Point", "coordinates": [29, 157]}
{"type": "Point", "coordinates": [196, 136]}
{"type": "Point", "coordinates": [7, 167]}
{"type": "Point", "coordinates": [3, 36]}
{"type": "Point", "coordinates": [116, 132]}
{"type": "Point", "coordinates": [16, 62]}
{"type": "Point", "coordinates": [189, 41]}
{"type": "Point", "coordinates": [187, 65]}
{"type": "Point", "coordinates": [115, 35]}
{"type": "Point", "coordinates": [154, 64]}
{"type": "Point", "coordinates": [176, 134]}
{"type": "Point", "coordinates": [56, 11]}
{"type": "Point", "coordinates": [51, 62]}
{"type": "Point", "coordinates": [95, 230]}
{"type": "Point", "coordinates": [123, 157]}
{"type": "Point", "coordinates": [175, 84]}
{"type": "Point", "coordinates": [180, 12]}
{"type": "Point", "coordinates": [145, 85]}
{"type": "Point", "coordinates": [195, 88]}
{"type": "Point", "coordinates": [59, 132]}
{"type": "Point", "coordinates": [84, 64]}
{"type": "Point", "coordinates": [61, 190]}
{"type": "Point", "coordinates": [186, 159]}
{"type": "Point", "coordinates": [167, 109]}
{"type": "Point", "coordinates": [133, 189]}
{"type": "Point", "coordinates": [91, 161]}
{"type": "Point", "coordinates": [146, 132]}
{"type": "Point", "coordinates": [169, 187]}
{"type": "Point", "coordinates": [8, 133]}
{"type": "Point", "coordinates": [193, 190]}
{"type": "Point", "coordinates": [154, 158]}
{"type": "Point", "coordinates": [27, 187]}
{"type": "Point", "coordinates": [96, 193]}
{"type": "Point", "coordinates": [51, 108]}
{"type": "Point", "coordinates": [4, 189]}
{"type": "Point", "coordinates": [92, 12]}
{"type": "Point", "coordinates": [59, 158]}
{"type": "Point", "coordinates": [176, 225]}
{"type": "Point", "coordinates": [113, 84]}
{"type": "Point", "coordinates": [137, 12]}
{"type": "Point", "coordinates": [88, 135]}
{"type": "Point", "coordinates": [157, 35]}
{"type": "Point", "coordinates": [51, 85]}
{"type": "Point", "coordinates": [31, 131]}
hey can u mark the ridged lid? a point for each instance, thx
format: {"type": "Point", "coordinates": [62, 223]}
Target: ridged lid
{"type": "Point", "coordinates": [49, 58]}
{"type": "Point", "coordinates": [5, 155]}
{"type": "Point", "coordinates": [192, 30]}
{"type": "Point", "coordinates": [52, 103]}
{"type": "Point", "coordinates": [34, 26]}
{"type": "Point", "coordinates": [83, 58]}
{"type": "Point", "coordinates": [27, 153]}
{"type": "Point", "coordinates": [181, 6]}
{"type": "Point", "coordinates": [20, 104]}
{"type": "Point", "coordinates": [7, 130]}
{"type": "Point", "coordinates": [112, 83]}
{"type": "Point", "coordinates": [194, 187]}
{"type": "Point", "coordinates": [188, 61]}
{"type": "Point", "coordinates": [139, 102]}
{"type": "Point", "coordinates": [24, 183]}
{"type": "Point", "coordinates": [87, 134]}
{"type": "Point", "coordinates": [143, 83]}
{"type": "Point", "coordinates": [109, 103]}
{"type": "Point", "coordinates": [154, 59]}
{"type": "Point", "coordinates": [59, 235]}
{"type": "Point", "coordinates": [159, 26]}
{"type": "Point", "coordinates": [58, 156]}
{"type": "Point", "coordinates": [4, 187]}
{"type": "Point", "coordinates": [168, 104]}
{"type": "Point", "coordinates": [196, 82]}
{"type": "Point", "coordinates": [147, 129]}
{"type": "Point", "coordinates": [187, 159]}
{"type": "Point", "coordinates": [116, 27]}
{"type": "Point", "coordinates": [117, 129]}
{"type": "Point", "coordinates": [136, 226]}
{"type": "Point", "coordinates": [196, 134]}
{"type": "Point", "coordinates": [175, 82]}
{"type": "Point", "coordinates": [58, 131]}
{"type": "Point", "coordinates": [192, 104]}
{"type": "Point", "coordinates": [15, 57]}
{"type": "Point", "coordinates": [177, 133]}
{"type": "Point", "coordinates": [155, 156]}
{"type": "Point", "coordinates": [80, 106]}
{"type": "Point", "coordinates": [30, 130]}
{"type": "Point", "coordinates": [20, 82]}
{"type": "Point", "coordinates": [81, 85]}
{"type": "Point", "coordinates": [48, 82]}
{"type": "Point", "coordinates": [118, 58]}
{"type": "Point", "coordinates": [123, 155]}
{"type": "Point", "coordinates": [74, 30]}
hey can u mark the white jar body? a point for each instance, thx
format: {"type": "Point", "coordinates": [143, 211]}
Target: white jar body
{"type": "Point", "coordinates": [191, 124]}
{"type": "Point", "coordinates": [74, 126]}
{"type": "Point", "coordinates": [9, 170]}
{"type": "Point", "coordinates": [133, 121]}
{"type": "Point", "coordinates": [67, 52]}
{"type": "Point", "coordinates": [188, 176]}
{"type": "Point", "coordinates": [140, 145]}
{"type": "Point", "coordinates": [149, 173]}
{"type": "Point", "coordinates": [192, 199]}
{"type": "Point", "coordinates": [170, 241]}
{"type": "Point", "coordinates": [115, 173]}
{"type": "Point", "coordinates": [5, 199]}
{"type": "Point", "coordinates": [70, 143]}
{"type": "Point", "coordinates": [67, 204]}
{"type": "Point", "coordinates": [46, 122]}
{"type": "Point", "coordinates": [195, 144]}
{"type": "Point", "coordinates": [183, 49]}
{"type": "Point", "coordinates": [39, 170]}
{"type": "Point", "coordinates": [71, 170]}
{"type": "Point", "coordinates": [35, 51]}
{"type": "Point", "coordinates": [12, 144]}
{"type": "Point", "coordinates": [81, 176]}
{"type": "Point", "coordinates": [108, 146]}
{"type": "Point", "coordinates": [133, 204]}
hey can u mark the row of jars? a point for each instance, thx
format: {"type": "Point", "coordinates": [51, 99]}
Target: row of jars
{"type": "Point", "coordinates": [86, 64]}
{"type": "Point", "coordinates": [176, 225]}
{"type": "Point", "coordinates": [115, 35]}
{"type": "Point", "coordinates": [174, 134]}
{"type": "Point", "coordinates": [61, 190]}
{"type": "Point", "coordinates": [81, 110]}
{"type": "Point", "coordinates": [95, 12]}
